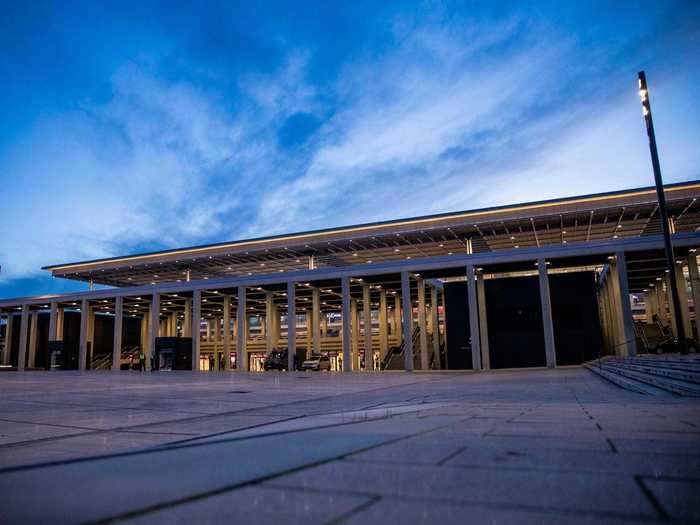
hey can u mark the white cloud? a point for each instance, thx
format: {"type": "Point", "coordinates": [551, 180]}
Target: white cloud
{"type": "Point", "coordinates": [452, 116]}
{"type": "Point", "coordinates": [158, 164]}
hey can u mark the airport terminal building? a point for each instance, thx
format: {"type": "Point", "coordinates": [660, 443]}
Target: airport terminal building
{"type": "Point", "coordinates": [548, 283]}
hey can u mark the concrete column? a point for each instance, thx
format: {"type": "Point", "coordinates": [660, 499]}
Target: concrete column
{"type": "Point", "coordinates": [629, 346]}
{"type": "Point", "coordinates": [650, 299]}
{"type": "Point", "coordinates": [154, 322]}
{"type": "Point", "coordinates": [291, 324]}
{"type": "Point", "coordinates": [615, 308]}
{"type": "Point", "coordinates": [91, 334]}
{"type": "Point", "coordinates": [276, 325]}
{"type": "Point", "coordinates": [53, 322]}
{"type": "Point", "coordinates": [24, 328]}
{"type": "Point", "coordinates": [309, 336]}
{"type": "Point", "coordinates": [348, 364]}
{"type": "Point", "coordinates": [407, 322]}
{"type": "Point", "coordinates": [118, 322]}
{"type": "Point", "coordinates": [367, 321]}
{"type": "Point", "coordinates": [683, 296]}
{"type": "Point", "coordinates": [397, 317]}
{"type": "Point", "coordinates": [187, 322]}
{"type": "Point", "coordinates": [84, 316]}
{"type": "Point", "coordinates": [648, 308]}
{"type": "Point", "coordinates": [661, 302]}
{"type": "Point", "coordinates": [355, 334]}
{"type": "Point", "coordinates": [383, 332]}
{"type": "Point", "coordinates": [8, 339]}
{"type": "Point", "coordinates": [210, 332]}
{"type": "Point", "coordinates": [441, 298]}
{"type": "Point", "coordinates": [242, 335]}
{"type": "Point", "coordinates": [227, 332]}
{"type": "Point", "coordinates": [547, 324]}
{"type": "Point", "coordinates": [269, 316]}
{"type": "Point", "coordinates": [11, 326]}
{"type": "Point", "coordinates": [144, 333]}
{"type": "Point", "coordinates": [435, 325]}
{"type": "Point", "coordinates": [483, 322]}
{"type": "Point", "coordinates": [671, 306]}
{"type": "Point", "coordinates": [33, 321]}
{"type": "Point", "coordinates": [316, 320]}
{"type": "Point", "coordinates": [59, 324]}
{"type": "Point", "coordinates": [324, 324]}
{"type": "Point", "coordinates": [196, 327]}
{"type": "Point", "coordinates": [216, 333]}
{"type": "Point", "coordinates": [473, 318]}
{"type": "Point", "coordinates": [610, 336]}
{"type": "Point", "coordinates": [423, 334]}
{"type": "Point", "coordinates": [695, 289]}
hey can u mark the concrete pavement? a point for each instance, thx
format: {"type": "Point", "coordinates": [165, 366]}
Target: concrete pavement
{"type": "Point", "coordinates": [513, 446]}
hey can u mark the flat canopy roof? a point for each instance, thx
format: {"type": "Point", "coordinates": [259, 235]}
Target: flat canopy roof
{"type": "Point", "coordinates": [604, 216]}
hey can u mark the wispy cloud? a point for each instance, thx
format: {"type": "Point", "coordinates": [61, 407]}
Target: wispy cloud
{"type": "Point", "coordinates": [450, 113]}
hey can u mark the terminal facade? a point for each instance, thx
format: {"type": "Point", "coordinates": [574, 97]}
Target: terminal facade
{"type": "Point", "coordinates": [537, 284]}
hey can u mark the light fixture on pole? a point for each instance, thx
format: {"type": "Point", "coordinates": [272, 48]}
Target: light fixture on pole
{"type": "Point", "coordinates": [663, 214]}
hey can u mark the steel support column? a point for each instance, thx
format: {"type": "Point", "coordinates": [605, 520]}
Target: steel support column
{"type": "Point", "coordinates": [347, 357]}
{"type": "Point", "coordinates": [629, 344]}
{"type": "Point", "coordinates": [83, 351]}
{"type": "Point", "coordinates": [291, 325]}
{"type": "Point", "coordinates": [407, 322]}
{"type": "Point", "coordinates": [695, 288]}
{"type": "Point", "coordinates": [483, 322]}
{"type": "Point", "coordinates": [367, 322]}
{"type": "Point", "coordinates": [423, 331]}
{"type": "Point", "coordinates": [227, 332]}
{"type": "Point", "coordinates": [153, 324]}
{"type": "Point", "coordinates": [435, 324]}
{"type": "Point", "coordinates": [118, 324]}
{"type": "Point", "coordinates": [196, 328]}
{"type": "Point", "coordinates": [473, 318]}
{"type": "Point", "coordinates": [242, 335]}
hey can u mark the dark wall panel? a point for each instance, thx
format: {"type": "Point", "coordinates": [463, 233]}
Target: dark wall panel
{"type": "Point", "coordinates": [577, 332]}
{"type": "Point", "coordinates": [42, 336]}
{"type": "Point", "coordinates": [103, 335]}
{"type": "Point", "coordinates": [71, 339]}
{"type": "Point", "coordinates": [14, 343]}
{"type": "Point", "coordinates": [459, 354]}
{"type": "Point", "coordinates": [131, 335]}
{"type": "Point", "coordinates": [516, 337]}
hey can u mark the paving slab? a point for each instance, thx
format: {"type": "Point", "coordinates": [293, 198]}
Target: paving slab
{"type": "Point", "coordinates": [555, 490]}
{"type": "Point", "coordinates": [263, 505]}
{"type": "Point", "coordinates": [545, 446]}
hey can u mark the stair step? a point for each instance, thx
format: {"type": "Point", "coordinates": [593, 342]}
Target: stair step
{"type": "Point", "coordinates": [625, 383]}
{"type": "Point", "coordinates": [675, 386]}
{"type": "Point", "coordinates": [672, 373]}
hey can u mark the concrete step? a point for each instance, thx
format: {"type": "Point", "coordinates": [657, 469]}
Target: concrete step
{"type": "Point", "coordinates": [690, 359]}
{"type": "Point", "coordinates": [675, 386]}
{"type": "Point", "coordinates": [626, 383]}
{"type": "Point", "coordinates": [653, 369]}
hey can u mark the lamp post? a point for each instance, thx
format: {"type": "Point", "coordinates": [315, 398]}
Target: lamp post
{"type": "Point", "coordinates": [668, 247]}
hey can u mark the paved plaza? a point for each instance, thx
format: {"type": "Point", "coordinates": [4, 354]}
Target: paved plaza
{"type": "Point", "coordinates": [534, 446]}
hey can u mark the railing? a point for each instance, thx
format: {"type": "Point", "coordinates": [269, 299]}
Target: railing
{"type": "Point", "coordinates": [399, 350]}
{"type": "Point", "coordinates": [328, 344]}
{"type": "Point", "coordinates": [101, 362]}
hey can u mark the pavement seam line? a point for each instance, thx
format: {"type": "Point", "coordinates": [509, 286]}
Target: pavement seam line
{"type": "Point", "coordinates": [255, 481]}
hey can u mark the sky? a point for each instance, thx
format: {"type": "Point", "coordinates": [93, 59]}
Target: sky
{"type": "Point", "coordinates": [138, 126]}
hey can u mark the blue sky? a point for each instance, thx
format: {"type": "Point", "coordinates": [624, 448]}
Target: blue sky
{"type": "Point", "coordinates": [156, 125]}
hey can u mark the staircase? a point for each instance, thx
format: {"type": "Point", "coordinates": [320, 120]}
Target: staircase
{"type": "Point", "coordinates": [101, 362]}
{"type": "Point", "coordinates": [394, 359]}
{"type": "Point", "coordinates": [652, 375]}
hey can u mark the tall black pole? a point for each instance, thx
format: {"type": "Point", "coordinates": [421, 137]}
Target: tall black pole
{"type": "Point", "coordinates": [670, 260]}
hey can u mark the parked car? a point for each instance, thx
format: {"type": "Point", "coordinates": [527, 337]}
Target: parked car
{"type": "Point", "coordinates": [276, 360]}
{"type": "Point", "coordinates": [318, 362]}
